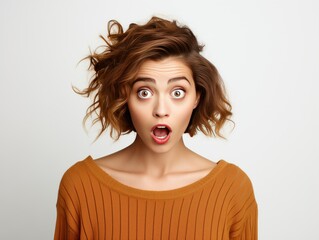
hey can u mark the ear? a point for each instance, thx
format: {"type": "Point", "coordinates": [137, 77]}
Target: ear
{"type": "Point", "coordinates": [197, 100]}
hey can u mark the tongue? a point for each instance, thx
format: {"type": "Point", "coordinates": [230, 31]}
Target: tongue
{"type": "Point", "coordinates": [160, 132]}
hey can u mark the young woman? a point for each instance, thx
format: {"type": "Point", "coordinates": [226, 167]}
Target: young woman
{"type": "Point", "coordinates": [152, 79]}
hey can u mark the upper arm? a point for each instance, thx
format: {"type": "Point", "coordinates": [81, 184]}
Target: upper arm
{"type": "Point", "coordinates": [249, 226]}
{"type": "Point", "coordinates": [67, 219]}
{"type": "Point", "coordinates": [244, 211]}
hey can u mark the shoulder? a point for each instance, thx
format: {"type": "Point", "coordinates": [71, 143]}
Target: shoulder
{"type": "Point", "coordinates": [73, 184]}
{"type": "Point", "coordinates": [74, 177]}
{"type": "Point", "coordinates": [233, 173]}
{"type": "Point", "coordinates": [237, 183]}
{"type": "Point", "coordinates": [76, 170]}
{"type": "Point", "coordinates": [240, 190]}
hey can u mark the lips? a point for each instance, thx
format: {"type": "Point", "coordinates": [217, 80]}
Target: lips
{"type": "Point", "coordinates": [161, 133]}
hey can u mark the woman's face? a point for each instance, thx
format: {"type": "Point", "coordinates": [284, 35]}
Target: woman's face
{"type": "Point", "coordinates": [161, 103]}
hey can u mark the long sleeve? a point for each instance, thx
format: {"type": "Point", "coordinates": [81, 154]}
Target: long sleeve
{"type": "Point", "coordinates": [67, 221]}
{"type": "Point", "coordinates": [244, 211]}
{"type": "Point", "coordinates": [249, 230]}
{"type": "Point", "coordinates": [63, 231]}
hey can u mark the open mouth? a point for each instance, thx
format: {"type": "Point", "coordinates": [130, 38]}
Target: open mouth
{"type": "Point", "coordinates": [161, 133]}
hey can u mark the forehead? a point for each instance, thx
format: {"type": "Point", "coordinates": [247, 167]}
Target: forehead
{"type": "Point", "coordinates": [168, 67]}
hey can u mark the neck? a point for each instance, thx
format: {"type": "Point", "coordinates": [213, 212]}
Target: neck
{"type": "Point", "coordinates": [156, 163]}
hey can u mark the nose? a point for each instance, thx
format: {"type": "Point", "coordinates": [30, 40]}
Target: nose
{"type": "Point", "coordinates": [161, 108]}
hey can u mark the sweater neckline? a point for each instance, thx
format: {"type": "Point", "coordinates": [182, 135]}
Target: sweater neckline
{"type": "Point", "coordinates": [116, 185]}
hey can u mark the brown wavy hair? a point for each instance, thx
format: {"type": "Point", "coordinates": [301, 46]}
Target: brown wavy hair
{"type": "Point", "coordinates": [117, 65]}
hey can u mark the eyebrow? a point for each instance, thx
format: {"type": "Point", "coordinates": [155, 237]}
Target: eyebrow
{"type": "Point", "coordinates": [147, 79]}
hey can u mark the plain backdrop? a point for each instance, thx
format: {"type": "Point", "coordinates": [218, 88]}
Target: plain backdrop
{"type": "Point", "coordinates": [266, 51]}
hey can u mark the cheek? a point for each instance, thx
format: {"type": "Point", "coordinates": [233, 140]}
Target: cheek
{"type": "Point", "coordinates": [184, 114]}
{"type": "Point", "coordinates": [137, 114]}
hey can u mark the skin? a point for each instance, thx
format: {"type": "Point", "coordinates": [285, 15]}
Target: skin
{"type": "Point", "coordinates": [163, 93]}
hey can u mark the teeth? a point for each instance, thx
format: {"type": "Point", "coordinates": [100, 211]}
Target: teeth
{"type": "Point", "coordinates": [161, 127]}
{"type": "Point", "coordinates": [162, 137]}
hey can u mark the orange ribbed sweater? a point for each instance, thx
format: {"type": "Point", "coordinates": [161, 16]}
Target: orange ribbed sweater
{"type": "Point", "coordinates": [93, 205]}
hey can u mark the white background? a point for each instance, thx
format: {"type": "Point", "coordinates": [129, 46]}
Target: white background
{"type": "Point", "coordinates": [266, 51]}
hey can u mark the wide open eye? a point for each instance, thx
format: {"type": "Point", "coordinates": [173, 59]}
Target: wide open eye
{"type": "Point", "coordinates": [144, 93]}
{"type": "Point", "coordinates": [178, 93]}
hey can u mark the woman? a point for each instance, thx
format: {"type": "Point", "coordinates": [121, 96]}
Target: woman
{"type": "Point", "coordinates": [151, 79]}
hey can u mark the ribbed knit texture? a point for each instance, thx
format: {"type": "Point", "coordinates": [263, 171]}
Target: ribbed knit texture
{"type": "Point", "coordinates": [93, 205]}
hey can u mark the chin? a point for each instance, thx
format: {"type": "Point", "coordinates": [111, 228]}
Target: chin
{"type": "Point", "coordinates": [159, 149]}
{"type": "Point", "coordinates": [164, 148]}
{"type": "Point", "coordinates": [156, 148]}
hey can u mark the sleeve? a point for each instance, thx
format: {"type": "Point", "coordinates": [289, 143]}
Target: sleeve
{"type": "Point", "coordinates": [63, 231]}
{"type": "Point", "coordinates": [67, 219]}
{"type": "Point", "coordinates": [244, 215]}
{"type": "Point", "coordinates": [249, 230]}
